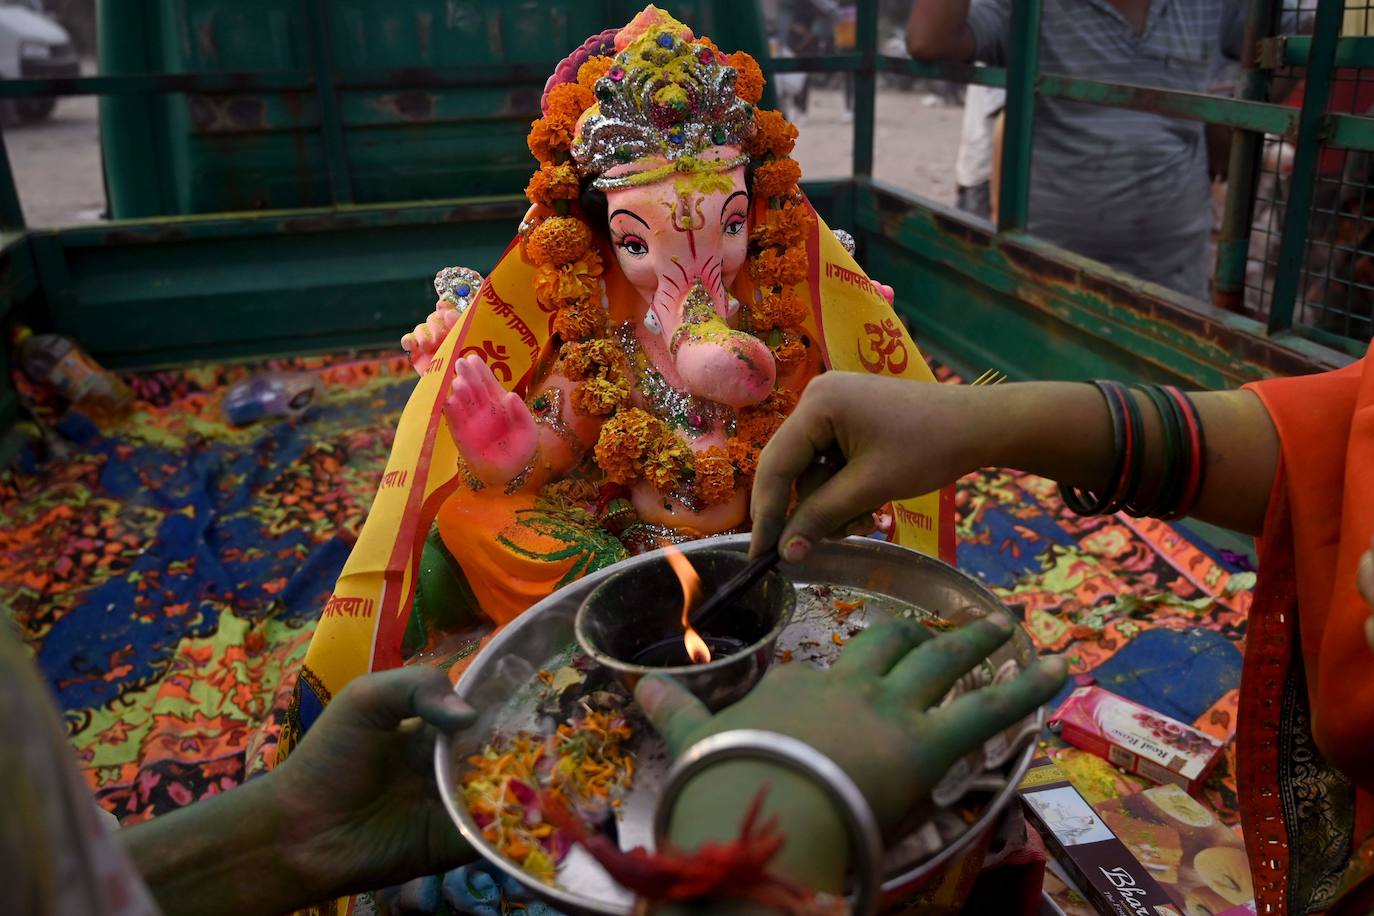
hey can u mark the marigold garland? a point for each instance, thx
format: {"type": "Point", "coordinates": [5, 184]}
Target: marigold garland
{"type": "Point", "coordinates": [789, 352]}
{"type": "Point", "coordinates": [601, 397]}
{"type": "Point", "coordinates": [549, 142]}
{"type": "Point", "coordinates": [776, 178]}
{"type": "Point", "coordinates": [566, 104]}
{"type": "Point", "coordinates": [558, 240]}
{"type": "Point", "coordinates": [571, 285]}
{"type": "Point", "coordinates": [778, 310]}
{"type": "Point", "coordinates": [552, 183]}
{"type": "Point", "coordinates": [773, 135]}
{"type": "Point", "coordinates": [580, 321]}
{"type": "Point", "coordinates": [591, 359]}
{"type": "Point", "coordinates": [715, 476]}
{"type": "Point", "coordinates": [784, 226]}
{"type": "Point", "coordinates": [779, 267]}
{"type": "Point", "coordinates": [748, 77]}
{"type": "Point", "coordinates": [592, 70]}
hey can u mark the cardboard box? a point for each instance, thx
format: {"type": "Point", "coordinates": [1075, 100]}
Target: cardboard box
{"type": "Point", "coordinates": [1104, 870]}
{"type": "Point", "coordinates": [1135, 738]}
{"type": "Point", "coordinates": [1198, 860]}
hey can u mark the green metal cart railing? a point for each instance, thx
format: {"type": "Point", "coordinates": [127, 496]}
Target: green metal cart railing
{"type": "Point", "coordinates": [342, 274]}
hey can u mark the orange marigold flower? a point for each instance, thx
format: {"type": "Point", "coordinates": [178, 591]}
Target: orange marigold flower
{"type": "Point", "coordinates": [580, 321]}
{"type": "Point", "coordinates": [601, 397]}
{"type": "Point", "coordinates": [592, 70]}
{"type": "Point", "coordinates": [758, 422]}
{"type": "Point", "coordinates": [790, 352]}
{"type": "Point", "coordinates": [551, 183]}
{"type": "Point", "coordinates": [773, 135]}
{"type": "Point", "coordinates": [783, 227]}
{"type": "Point", "coordinates": [665, 462]}
{"type": "Point", "coordinates": [715, 476]}
{"type": "Point", "coordinates": [624, 440]}
{"type": "Point", "coordinates": [779, 310]}
{"type": "Point", "coordinates": [558, 240]}
{"type": "Point", "coordinates": [592, 359]}
{"type": "Point", "coordinates": [743, 455]}
{"type": "Point", "coordinates": [777, 178]}
{"type": "Point", "coordinates": [773, 268]}
{"type": "Point", "coordinates": [555, 287]}
{"type": "Point", "coordinates": [548, 139]}
{"type": "Point", "coordinates": [566, 104]}
{"type": "Point", "coordinates": [749, 77]}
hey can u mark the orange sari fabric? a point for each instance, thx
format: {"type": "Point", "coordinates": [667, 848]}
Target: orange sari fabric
{"type": "Point", "coordinates": [1306, 730]}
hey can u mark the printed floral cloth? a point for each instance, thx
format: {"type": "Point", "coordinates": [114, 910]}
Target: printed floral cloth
{"type": "Point", "coordinates": [168, 579]}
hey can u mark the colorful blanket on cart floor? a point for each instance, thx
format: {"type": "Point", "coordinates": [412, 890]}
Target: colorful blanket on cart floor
{"type": "Point", "coordinates": [168, 578]}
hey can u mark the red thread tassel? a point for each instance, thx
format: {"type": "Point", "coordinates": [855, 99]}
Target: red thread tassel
{"type": "Point", "coordinates": [737, 870]}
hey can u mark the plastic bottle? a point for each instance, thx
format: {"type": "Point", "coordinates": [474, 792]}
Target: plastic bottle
{"type": "Point", "coordinates": [271, 394]}
{"type": "Point", "coordinates": [56, 361]}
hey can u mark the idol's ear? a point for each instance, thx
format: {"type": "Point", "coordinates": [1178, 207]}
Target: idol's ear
{"type": "Point", "coordinates": [566, 71]}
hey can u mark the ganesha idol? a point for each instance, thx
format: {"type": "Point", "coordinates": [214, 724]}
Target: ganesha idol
{"type": "Point", "coordinates": [608, 387]}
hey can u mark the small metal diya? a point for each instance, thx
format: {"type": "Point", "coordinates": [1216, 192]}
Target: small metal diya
{"type": "Point", "coordinates": [632, 624]}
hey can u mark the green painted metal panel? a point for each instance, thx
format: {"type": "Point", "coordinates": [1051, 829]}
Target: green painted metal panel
{"type": "Point", "coordinates": [1349, 131]}
{"type": "Point", "coordinates": [1035, 311]}
{"type": "Point", "coordinates": [1296, 51]}
{"type": "Point", "coordinates": [1302, 178]}
{"type": "Point", "coordinates": [1019, 119]}
{"type": "Point", "coordinates": [295, 284]}
{"type": "Point", "coordinates": [865, 89]}
{"type": "Point", "coordinates": [403, 110]}
{"type": "Point", "coordinates": [1194, 106]}
{"type": "Point", "coordinates": [1233, 246]}
{"type": "Point", "coordinates": [954, 73]}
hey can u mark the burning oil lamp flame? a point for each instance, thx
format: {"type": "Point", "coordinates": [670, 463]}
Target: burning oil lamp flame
{"type": "Point", "coordinates": [697, 649]}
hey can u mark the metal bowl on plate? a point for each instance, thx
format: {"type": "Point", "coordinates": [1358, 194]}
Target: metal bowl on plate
{"type": "Point", "coordinates": [632, 624]}
{"type": "Point", "coordinates": [895, 581]}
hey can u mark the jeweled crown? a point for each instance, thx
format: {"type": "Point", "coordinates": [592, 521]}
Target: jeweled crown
{"type": "Point", "coordinates": [666, 95]}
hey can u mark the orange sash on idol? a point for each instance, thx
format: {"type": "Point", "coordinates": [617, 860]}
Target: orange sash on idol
{"type": "Point", "coordinates": [1306, 724]}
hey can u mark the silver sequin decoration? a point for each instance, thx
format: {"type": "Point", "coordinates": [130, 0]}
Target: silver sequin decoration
{"type": "Point", "coordinates": [629, 125]}
{"type": "Point", "coordinates": [458, 285]}
{"type": "Point", "coordinates": [846, 240]}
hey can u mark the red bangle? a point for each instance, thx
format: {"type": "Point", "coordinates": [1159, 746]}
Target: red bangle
{"type": "Point", "coordinates": [1192, 490]}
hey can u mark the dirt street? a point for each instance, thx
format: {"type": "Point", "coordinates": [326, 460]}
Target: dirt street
{"type": "Point", "coordinates": [57, 162]}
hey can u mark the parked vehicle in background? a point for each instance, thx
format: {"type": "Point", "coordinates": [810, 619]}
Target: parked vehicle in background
{"type": "Point", "coordinates": [34, 46]}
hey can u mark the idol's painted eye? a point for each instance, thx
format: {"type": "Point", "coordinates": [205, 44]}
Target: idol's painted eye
{"type": "Point", "coordinates": [735, 225]}
{"type": "Point", "coordinates": [633, 245]}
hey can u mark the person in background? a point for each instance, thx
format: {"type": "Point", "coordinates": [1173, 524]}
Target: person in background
{"type": "Point", "coordinates": [1290, 460]}
{"type": "Point", "coordinates": [1128, 188]}
{"type": "Point", "coordinates": [975, 164]}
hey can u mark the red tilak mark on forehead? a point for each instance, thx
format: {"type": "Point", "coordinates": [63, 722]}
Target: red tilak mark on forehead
{"type": "Point", "coordinates": [692, 242]}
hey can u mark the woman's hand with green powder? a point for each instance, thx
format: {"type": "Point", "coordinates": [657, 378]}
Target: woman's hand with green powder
{"type": "Point", "coordinates": [872, 714]}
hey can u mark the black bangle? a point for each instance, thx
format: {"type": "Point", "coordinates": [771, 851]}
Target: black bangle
{"type": "Point", "coordinates": [1170, 481]}
{"type": "Point", "coordinates": [1128, 485]}
{"type": "Point", "coordinates": [1197, 458]}
{"type": "Point", "coordinates": [1085, 502]}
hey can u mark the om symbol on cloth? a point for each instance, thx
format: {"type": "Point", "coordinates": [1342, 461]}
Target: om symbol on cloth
{"type": "Point", "coordinates": [494, 355]}
{"type": "Point", "coordinates": [886, 346]}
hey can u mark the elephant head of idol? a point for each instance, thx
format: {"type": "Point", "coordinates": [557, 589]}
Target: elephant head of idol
{"type": "Point", "coordinates": [663, 146]}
